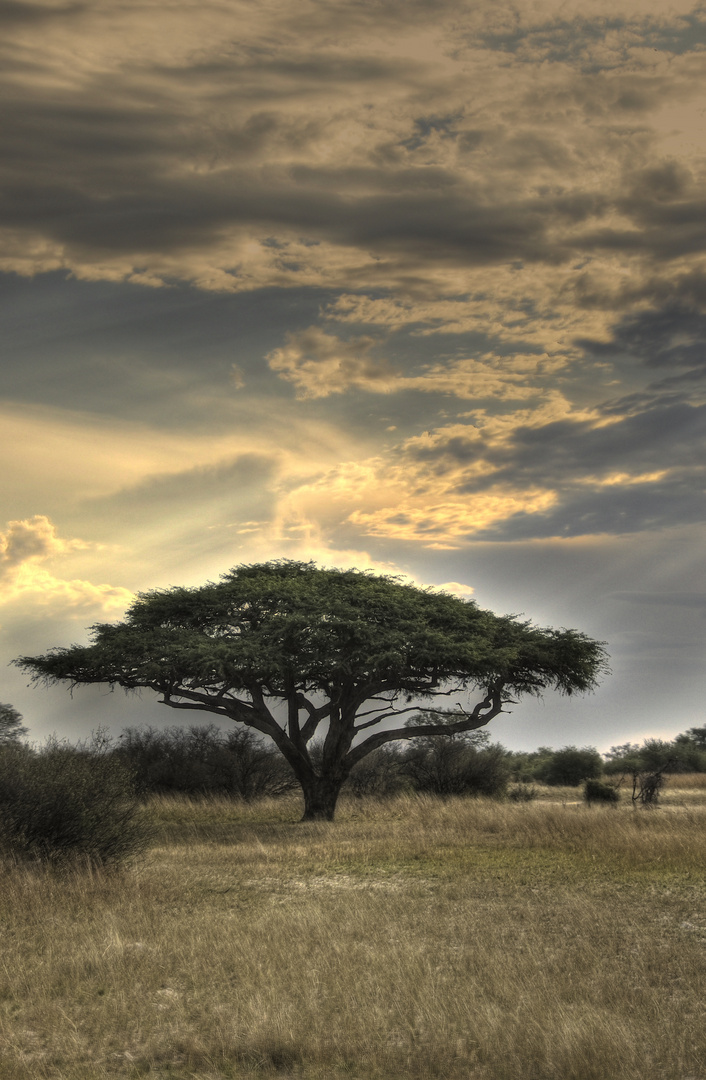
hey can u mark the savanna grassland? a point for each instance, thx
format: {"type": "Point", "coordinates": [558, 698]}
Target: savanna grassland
{"type": "Point", "coordinates": [413, 937]}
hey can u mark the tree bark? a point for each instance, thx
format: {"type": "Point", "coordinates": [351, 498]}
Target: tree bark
{"type": "Point", "coordinates": [320, 797]}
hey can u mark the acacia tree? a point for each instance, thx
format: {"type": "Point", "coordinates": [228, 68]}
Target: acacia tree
{"type": "Point", "coordinates": [11, 726]}
{"type": "Point", "coordinates": [294, 651]}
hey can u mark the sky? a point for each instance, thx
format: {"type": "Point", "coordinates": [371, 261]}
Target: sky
{"type": "Point", "coordinates": [415, 286]}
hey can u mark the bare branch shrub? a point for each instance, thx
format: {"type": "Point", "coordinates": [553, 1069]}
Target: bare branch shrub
{"type": "Point", "coordinates": [63, 803]}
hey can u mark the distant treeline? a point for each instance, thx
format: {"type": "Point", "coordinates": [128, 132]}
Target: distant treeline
{"type": "Point", "coordinates": [205, 760]}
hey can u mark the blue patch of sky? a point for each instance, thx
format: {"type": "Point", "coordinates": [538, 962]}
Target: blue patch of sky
{"type": "Point", "coordinates": [424, 126]}
{"type": "Point", "coordinates": [73, 343]}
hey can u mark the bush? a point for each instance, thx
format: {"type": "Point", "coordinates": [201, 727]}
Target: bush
{"type": "Point", "coordinates": [66, 803]}
{"type": "Point", "coordinates": [571, 766]}
{"type": "Point", "coordinates": [522, 793]}
{"type": "Point", "coordinates": [450, 766]}
{"type": "Point", "coordinates": [686, 753]}
{"type": "Point", "coordinates": [203, 760]}
{"type": "Point", "coordinates": [378, 775]}
{"type": "Point", "coordinates": [596, 791]}
{"type": "Point", "coordinates": [647, 787]}
{"type": "Point", "coordinates": [623, 759]}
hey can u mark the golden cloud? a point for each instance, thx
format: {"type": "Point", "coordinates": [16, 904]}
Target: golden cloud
{"type": "Point", "coordinates": [29, 541]}
{"type": "Point", "coordinates": [320, 364]}
{"type": "Point", "coordinates": [24, 546]}
{"type": "Point", "coordinates": [443, 525]}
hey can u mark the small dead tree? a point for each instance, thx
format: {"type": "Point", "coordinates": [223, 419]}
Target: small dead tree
{"type": "Point", "coordinates": [647, 786]}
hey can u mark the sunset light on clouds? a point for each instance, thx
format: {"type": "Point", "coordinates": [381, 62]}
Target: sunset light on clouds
{"type": "Point", "coordinates": [417, 287]}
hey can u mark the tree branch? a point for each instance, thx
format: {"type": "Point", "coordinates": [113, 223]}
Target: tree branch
{"type": "Point", "coordinates": [233, 708]}
{"type": "Point", "coordinates": [482, 714]}
{"type": "Point", "coordinates": [316, 715]}
{"type": "Point", "coordinates": [390, 712]}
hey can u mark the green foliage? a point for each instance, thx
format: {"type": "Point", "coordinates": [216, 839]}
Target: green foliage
{"type": "Point", "coordinates": [683, 754]}
{"type": "Point", "coordinates": [526, 766]}
{"type": "Point", "coordinates": [267, 624]}
{"type": "Point", "coordinates": [11, 726]}
{"type": "Point", "coordinates": [695, 735]}
{"type": "Point", "coordinates": [570, 766]}
{"type": "Point", "coordinates": [64, 803]}
{"type": "Point", "coordinates": [595, 791]}
{"type": "Point", "coordinates": [625, 758]}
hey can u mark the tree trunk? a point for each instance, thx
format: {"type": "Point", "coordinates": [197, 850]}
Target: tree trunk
{"type": "Point", "coordinates": [320, 797]}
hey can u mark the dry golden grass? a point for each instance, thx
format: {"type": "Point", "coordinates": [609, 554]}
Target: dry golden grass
{"type": "Point", "coordinates": [695, 781]}
{"type": "Point", "coordinates": [466, 940]}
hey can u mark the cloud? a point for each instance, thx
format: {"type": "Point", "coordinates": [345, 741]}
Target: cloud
{"type": "Point", "coordinates": [24, 546]}
{"type": "Point", "coordinates": [444, 524]}
{"type": "Point", "coordinates": [246, 148]}
{"type": "Point", "coordinates": [671, 335]}
{"type": "Point", "coordinates": [320, 364]}
{"type": "Point", "coordinates": [546, 470]}
{"type": "Point", "coordinates": [456, 588]}
{"type": "Point", "coordinates": [600, 43]}
{"type": "Point", "coordinates": [488, 198]}
{"type": "Point", "coordinates": [31, 540]}
{"type": "Point", "coordinates": [608, 475]}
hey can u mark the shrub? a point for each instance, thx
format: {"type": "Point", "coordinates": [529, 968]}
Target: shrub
{"type": "Point", "coordinates": [449, 766]}
{"type": "Point", "coordinates": [571, 766]}
{"type": "Point", "coordinates": [647, 787]}
{"type": "Point", "coordinates": [203, 760]}
{"type": "Point", "coordinates": [623, 759]}
{"type": "Point", "coordinates": [522, 793]}
{"type": "Point", "coordinates": [686, 753]}
{"type": "Point", "coordinates": [64, 803]}
{"type": "Point", "coordinates": [597, 791]}
{"type": "Point", "coordinates": [379, 774]}
{"type": "Point", "coordinates": [671, 757]}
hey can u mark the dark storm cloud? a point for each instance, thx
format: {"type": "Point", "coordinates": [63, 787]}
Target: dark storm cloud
{"type": "Point", "coordinates": [685, 290]}
{"type": "Point", "coordinates": [673, 335]}
{"type": "Point", "coordinates": [272, 79]}
{"type": "Point", "coordinates": [660, 233]}
{"type": "Point", "coordinates": [617, 510]}
{"type": "Point", "coordinates": [141, 159]}
{"type": "Point", "coordinates": [13, 12]}
{"type": "Point", "coordinates": [421, 212]}
{"type": "Point", "coordinates": [569, 451]}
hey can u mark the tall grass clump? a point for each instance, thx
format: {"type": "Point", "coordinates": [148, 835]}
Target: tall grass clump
{"type": "Point", "coordinates": [61, 803]}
